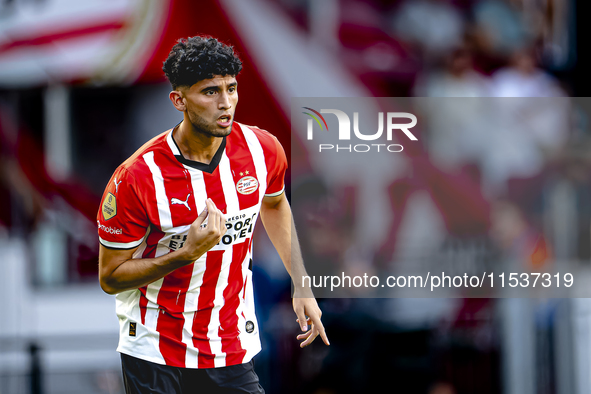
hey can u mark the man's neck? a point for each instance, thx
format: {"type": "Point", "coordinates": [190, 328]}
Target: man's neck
{"type": "Point", "coordinates": [194, 145]}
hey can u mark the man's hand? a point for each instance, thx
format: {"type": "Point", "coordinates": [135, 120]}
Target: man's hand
{"type": "Point", "coordinates": [312, 325]}
{"type": "Point", "coordinates": [201, 237]}
{"type": "Point", "coordinates": [278, 221]}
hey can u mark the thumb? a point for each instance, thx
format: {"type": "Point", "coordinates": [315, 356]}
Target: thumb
{"type": "Point", "coordinates": [201, 216]}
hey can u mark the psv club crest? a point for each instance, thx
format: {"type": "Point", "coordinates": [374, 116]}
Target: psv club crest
{"type": "Point", "coordinates": [247, 185]}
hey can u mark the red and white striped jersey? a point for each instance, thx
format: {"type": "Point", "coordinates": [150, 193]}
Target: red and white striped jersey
{"type": "Point", "coordinates": [200, 315]}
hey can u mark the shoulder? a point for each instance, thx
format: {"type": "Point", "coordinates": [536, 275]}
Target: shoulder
{"type": "Point", "coordinates": [268, 141]}
{"type": "Point", "coordinates": [136, 166]}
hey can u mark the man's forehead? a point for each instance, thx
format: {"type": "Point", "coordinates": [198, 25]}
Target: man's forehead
{"type": "Point", "coordinates": [217, 80]}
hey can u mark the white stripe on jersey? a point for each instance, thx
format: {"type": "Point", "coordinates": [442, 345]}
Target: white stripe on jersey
{"type": "Point", "coordinates": [198, 184]}
{"type": "Point", "coordinates": [121, 245]}
{"type": "Point", "coordinates": [230, 193]}
{"type": "Point", "coordinates": [215, 342]}
{"type": "Point", "coordinates": [161, 199]}
{"type": "Point", "coordinates": [152, 291]}
{"type": "Point", "coordinates": [192, 295]}
{"type": "Point", "coordinates": [140, 251]}
{"type": "Point", "coordinates": [258, 158]}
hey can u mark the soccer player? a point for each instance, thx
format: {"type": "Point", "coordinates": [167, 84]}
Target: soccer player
{"type": "Point", "coordinates": [175, 229]}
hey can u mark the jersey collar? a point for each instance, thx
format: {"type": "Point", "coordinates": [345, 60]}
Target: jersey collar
{"type": "Point", "coordinates": [209, 168]}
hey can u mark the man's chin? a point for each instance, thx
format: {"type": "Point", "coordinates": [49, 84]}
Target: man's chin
{"type": "Point", "coordinates": [219, 131]}
{"type": "Point", "coordinates": [225, 131]}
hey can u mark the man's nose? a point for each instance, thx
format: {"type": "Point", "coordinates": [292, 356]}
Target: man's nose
{"type": "Point", "coordinates": [224, 101]}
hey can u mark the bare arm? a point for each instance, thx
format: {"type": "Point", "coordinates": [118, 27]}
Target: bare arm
{"type": "Point", "coordinates": [118, 271]}
{"type": "Point", "coordinates": [278, 221]}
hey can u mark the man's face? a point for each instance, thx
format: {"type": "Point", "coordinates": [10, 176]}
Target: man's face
{"type": "Point", "coordinates": [211, 104]}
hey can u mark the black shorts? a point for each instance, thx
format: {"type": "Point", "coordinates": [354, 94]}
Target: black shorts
{"type": "Point", "coordinates": [144, 377]}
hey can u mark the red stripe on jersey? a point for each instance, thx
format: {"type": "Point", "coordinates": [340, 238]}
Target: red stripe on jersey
{"type": "Point", "coordinates": [150, 252]}
{"type": "Point", "coordinates": [179, 191]}
{"type": "Point", "coordinates": [171, 320]}
{"type": "Point", "coordinates": [242, 164]}
{"type": "Point", "coordinates": [143, 303]}
{"type": "Point", "coordinates": [229, 329]}
{"type": "Point", "coordinates": [171, 296]}
{"type": "Point", "coordinates": [213, 264]}
{"type": "Point", "coordinates": [244, 290]}
{"type": "Point", "coordinates": [214, 189]}
{"type": "Point", "coordinates": [170, 329]}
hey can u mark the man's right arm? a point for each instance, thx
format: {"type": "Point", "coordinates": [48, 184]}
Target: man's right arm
{"type": "Point", "coordinates": [119, 271]}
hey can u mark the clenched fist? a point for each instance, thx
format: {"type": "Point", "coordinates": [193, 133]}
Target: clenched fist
{"type": "Point", "coordinates": [203, 237]}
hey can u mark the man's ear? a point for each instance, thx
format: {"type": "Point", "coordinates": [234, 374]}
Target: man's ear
{"type": "Point", "coordinates": [177, 100]}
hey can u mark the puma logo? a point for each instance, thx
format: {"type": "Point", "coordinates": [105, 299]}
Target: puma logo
{"type": "Point", "coordinates": [175, 200]}
{"type": "Point", "coordinates": [116, 184]}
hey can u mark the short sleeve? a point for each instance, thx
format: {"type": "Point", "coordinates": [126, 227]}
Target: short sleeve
{"type": "Point", "coordinates": [121, 219]}
{"type": "Point", "coordinates": [276, 172]}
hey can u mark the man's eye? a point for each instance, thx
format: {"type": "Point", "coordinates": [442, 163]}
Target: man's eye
{"type": "Point", "coordinates": [232, 89]}
{"type": "Point", "coordinates": [210, 92]}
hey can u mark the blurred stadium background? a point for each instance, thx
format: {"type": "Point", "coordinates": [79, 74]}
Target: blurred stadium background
{"type": "Point", "coordinates": [81, 88]}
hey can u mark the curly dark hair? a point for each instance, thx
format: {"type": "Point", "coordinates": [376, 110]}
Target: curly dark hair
{"type": "Point", "coordinates": [196, 58]}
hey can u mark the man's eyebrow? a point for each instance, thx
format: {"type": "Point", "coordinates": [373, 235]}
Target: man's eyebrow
{"type": "Point", "coordinates": [217, 87]}
{"type": "Point", "coordinates": [210, 87]}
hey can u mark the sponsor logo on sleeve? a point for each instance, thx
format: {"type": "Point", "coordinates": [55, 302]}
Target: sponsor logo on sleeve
{"type": "Point", "coordinates": [110, 230]}
{"type": "Point", "coordinates": [109, 207]}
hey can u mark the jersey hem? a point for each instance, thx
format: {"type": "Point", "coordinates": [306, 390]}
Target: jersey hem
{"type": "Point", "coordinates": [280, 192]}
{"type": "Point", "coordinates": [142, 357]}
{"type": "Point", "coordinates": [120, 245]}
{"type": "Point", "coordinates": [247, 358]}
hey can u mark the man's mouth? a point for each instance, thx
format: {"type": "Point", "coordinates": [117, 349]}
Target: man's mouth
{"type": "Point", "coordinates": [224, 120]}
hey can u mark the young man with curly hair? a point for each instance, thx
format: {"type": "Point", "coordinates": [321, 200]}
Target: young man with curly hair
{"type": "Point", "coordinates": [175, 230]}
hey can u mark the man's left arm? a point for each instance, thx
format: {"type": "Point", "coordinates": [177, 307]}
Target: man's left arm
{"type": "Point", "coordinates": [278, 221]}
